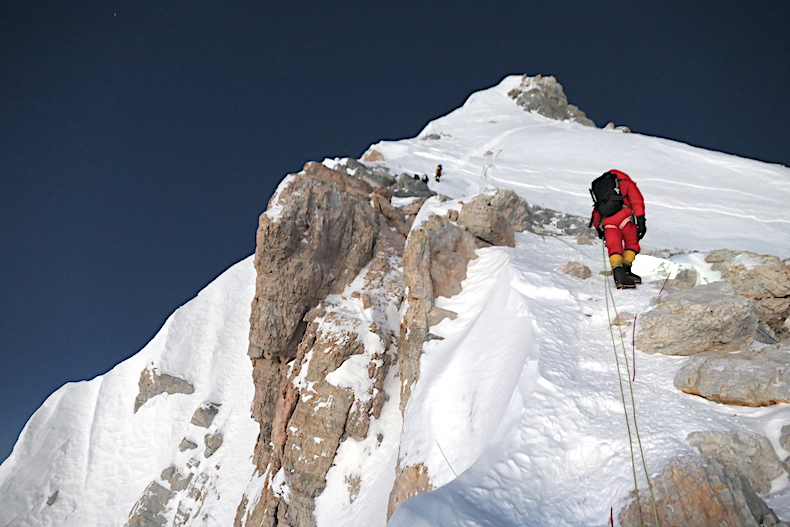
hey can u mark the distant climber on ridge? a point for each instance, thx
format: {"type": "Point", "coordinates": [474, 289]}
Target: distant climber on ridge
{"type": "Point", "coordinates": [438, 175]}
{"type": "Point", "coordinates": [619, 217]}
{"type": "Point", "coordinates": [425, 178]}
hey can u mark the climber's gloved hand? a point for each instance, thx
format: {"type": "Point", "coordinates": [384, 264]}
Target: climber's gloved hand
{"type": "Point", "coordinates": [600, 232]}
{"type": "Point", "coordinates": [641, 228]}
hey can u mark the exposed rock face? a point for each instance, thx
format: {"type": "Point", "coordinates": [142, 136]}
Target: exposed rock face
{"type": "Point", "coordinates": [153, 383]}
{"type": "Point", "coordinates": [150, 508]}
{"type": "Point", "coordinates": [495, 219]}
{"type": "Point", "coordinates": [700, 492]}
{"type": "Point", "coordinates": [545, 96]}
{"type": "Point", "coordinates": [485, 222]}
{"type": "Point", "coordinates": [331, 246]}
{"type": "Point", "coordinates": [707, 318]}
{"type": "Point", "coordinates": [551, 221]}
{"type": "Point", "coordinates": [579, 270]}
{"type": "Point", "coordinates": [325, 234]}
{"type": "Point", "coordinates": [749, 378]}
{"type": "Point", "coordinates": [749, 454]}
{"type": "Point", "coordinates": [401, 186]}
{"type": "Point", "coordinates": [763, 278]}
{"type": "Point", "coordinates": [332, 230]}
{"type": "Point", "coordinates": [435, 261]}
{"type": "Point", "coordinates": [406, 186]}
{"type": "Point", "coordinates": [513, 208]}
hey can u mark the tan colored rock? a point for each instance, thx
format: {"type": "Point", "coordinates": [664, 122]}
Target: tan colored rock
{"type": "Point", "coordinates": [749, 454]}
{"type": "Point", "coordinates": [348, 230]}
{"type": "Point", "coordinates": [149, 510]}
{"type": "Point", "coordinates": [623, 319]}
{"type": "Point", "coordinates": [481, 218]}
{"type": "Point", "coordinates": [372, 156]}
{"type": "Point", "coordinates": [752, 275]}
{"type": "Point", "coordinates": [579, 270]}
{"type": "Point", "coordinates": [186, 444]}
{"type": "Point", "coordinates": [545, 96]}
{"type": "Point", "coordinates": [437, 314]}
{"type": "Point", "coordinates": [583, 239]}
{"type": "Point", "coordinates": [324, 234]}
{"type": "Point", "coordinates": [513, 208]}
{"type": "Point", "coordinates": [774, 312]}
{"type": "Point", "coordinates": [699, 492]}
{"type": "Point", "coordinates": [763, 278]}
{"type": "Point", "coordinates": [708, 318]}
{"type": "Point", "coordinates": [750, 378]}
{"type": "Point", "coordinates": [409, 482]}
{"type": "Point", "coordinates": [394, 215]}
{"type": "Point", "coordinates": [153, 383]}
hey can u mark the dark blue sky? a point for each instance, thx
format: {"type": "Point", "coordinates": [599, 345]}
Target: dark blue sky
{"type": "Point", "coordinates": [140, 140]}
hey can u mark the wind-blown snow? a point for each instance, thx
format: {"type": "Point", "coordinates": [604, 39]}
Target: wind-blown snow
{"type": "Point", "coordinates": [86, 444]}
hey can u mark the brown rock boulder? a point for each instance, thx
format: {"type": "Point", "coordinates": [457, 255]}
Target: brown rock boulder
{"type": "Point", "coordinates": [749, 454]}
{"type": "Point", "coordinates": [699, 492]}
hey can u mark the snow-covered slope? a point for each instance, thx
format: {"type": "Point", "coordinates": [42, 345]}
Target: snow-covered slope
{"type": "Point", "coordinates": [696, 199]}
{"type": "Point", "coordinates": [517, 412]}
{"type": "Point", "coordinates": [91, 456]}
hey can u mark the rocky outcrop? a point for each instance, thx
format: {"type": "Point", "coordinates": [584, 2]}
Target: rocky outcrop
{"type": "Point", "coordinates": [485, 222]}
{"type": "Point", "coordinates": [706, 318]}
{"type": "Point", "coordinates": [544, 95]}
{"type": "Point", "coordinates": [749, 454]}
{"type": "Point", "coordinates": [324, 233]}
{"type": "Point", "coordinates": [763, 278]}
{"type": "Point", "coordinates": [340, 245]}
{"type": "Point", "coordinates": [549, 221]}
{"type": "Point", "coordinates": [149, 511]}
{"type": "Point", "coordinates": [401, 186]}
{"type": "Point", "coordinates": [435, 261]}
{"type": "Point", "coordinates": [750, 378]}
{"type": "Point", "coordinates": [699, 492]}
{"type": "Point", "coordinates": [153, 383]}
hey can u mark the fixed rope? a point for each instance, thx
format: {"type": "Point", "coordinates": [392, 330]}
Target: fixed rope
{"type": "Point", "coordinates": [609, 294]}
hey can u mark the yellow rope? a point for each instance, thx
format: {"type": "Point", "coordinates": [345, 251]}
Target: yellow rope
{"type": "Point", "coordinates": [610, 297]}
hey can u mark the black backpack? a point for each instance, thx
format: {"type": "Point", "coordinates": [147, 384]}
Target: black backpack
{"type": "Point", "coordinates": [605, 192]}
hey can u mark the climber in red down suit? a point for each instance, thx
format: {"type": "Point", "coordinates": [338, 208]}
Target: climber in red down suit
{"type": "Point", "coordinates": [619, 217]}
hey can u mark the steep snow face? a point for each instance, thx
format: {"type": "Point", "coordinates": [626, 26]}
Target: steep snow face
{"type": "Point", "coordinates": [85, 457]}
{"type": "Point", "coordinates": [518, 410]}
{"type": "Point", "coordinates": [696, 199]}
